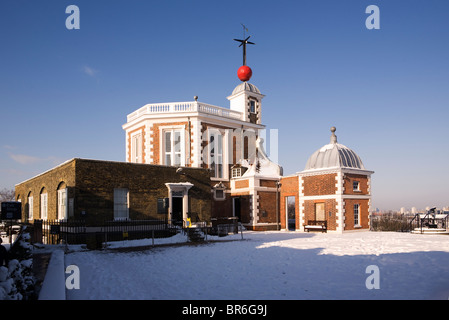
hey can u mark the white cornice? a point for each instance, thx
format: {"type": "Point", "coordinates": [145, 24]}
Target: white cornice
{"type": "Point", "coordinates": [316, 172]}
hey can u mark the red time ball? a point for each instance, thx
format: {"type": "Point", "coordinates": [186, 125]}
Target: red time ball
{"type": "Point", "coordinates": [244, 73]}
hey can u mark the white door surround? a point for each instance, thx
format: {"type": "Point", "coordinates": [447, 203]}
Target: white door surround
{"type": "Point", "coordinates": [182, 188]}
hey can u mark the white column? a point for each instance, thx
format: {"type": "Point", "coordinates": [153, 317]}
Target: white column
{"type": "Point", "coordinates": [301, 204]}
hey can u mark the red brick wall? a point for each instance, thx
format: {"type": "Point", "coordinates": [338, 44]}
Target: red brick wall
{"type": "Point", "coordinates": [330, 206]}
{"type": "Point", "coordinates": [348, 184]}
{"type": "Point", "coordinates": [267, 183]}
{"type": "Point", "coordinates": [320, 185]}
{"type": "Point", "coordinates": [142, 129]}
{"type": "Point", "coordinates": [289, 187]}
{"type": "Point", "coordinates": [244, 208]}
{"type": "Point", "coordinates": [241, 184]}
{"type": "Point", "coordinates": [222, 208]}
{"type": "Point", "coordinates": [267, 204]}
{"type": "Point", "coordinates": [349, 213]}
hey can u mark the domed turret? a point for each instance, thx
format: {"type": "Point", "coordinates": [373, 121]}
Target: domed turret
{"type": "Point", "coordinates": [334, 155]}
{"type": "Point", "coordinates": [245, 86]}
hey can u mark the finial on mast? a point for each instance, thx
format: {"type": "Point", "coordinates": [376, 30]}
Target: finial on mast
{"type": "Point", "coordinates": [333, 136]}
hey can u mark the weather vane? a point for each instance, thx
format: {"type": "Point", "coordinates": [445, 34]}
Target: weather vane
{"type": "Point", "coordinates": [244, 43]}
{"type": "Point", "coordinates": [244, 72]}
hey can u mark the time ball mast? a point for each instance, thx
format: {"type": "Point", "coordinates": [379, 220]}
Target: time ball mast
{"type": "Point", "coordinates": [244, 72]}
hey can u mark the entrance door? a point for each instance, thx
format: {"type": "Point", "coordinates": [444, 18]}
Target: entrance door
{"type": "Point", "coordinates": [236, 207]}
{"type": "Point", "coordinates": [319, 212]}
{"type": "Point", "coordinates": [177, 210]}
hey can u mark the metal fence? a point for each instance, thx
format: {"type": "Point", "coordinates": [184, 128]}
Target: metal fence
{"type": "Point", "coordinates": [78, 232]}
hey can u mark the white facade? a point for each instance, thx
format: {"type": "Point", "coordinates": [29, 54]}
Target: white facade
{"type": "Point", "coordinates": [196, 134]}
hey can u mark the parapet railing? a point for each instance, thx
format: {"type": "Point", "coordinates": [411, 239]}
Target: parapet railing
{"type": "Point", "coordinates": [180, 107]}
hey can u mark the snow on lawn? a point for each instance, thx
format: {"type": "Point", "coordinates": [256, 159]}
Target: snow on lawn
{"type": "Point", "coordinates": [271, 265]}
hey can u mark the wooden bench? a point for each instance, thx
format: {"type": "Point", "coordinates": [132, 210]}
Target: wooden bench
{"type": "Point", "coordinates": [316, 225]}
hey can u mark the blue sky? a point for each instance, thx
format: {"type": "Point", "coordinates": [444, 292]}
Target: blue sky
{"type": "Point", "coordinates": [66, 93]}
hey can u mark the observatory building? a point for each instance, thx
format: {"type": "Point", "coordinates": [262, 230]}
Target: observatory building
{"type": "Point", "coordinates": [206, 163]}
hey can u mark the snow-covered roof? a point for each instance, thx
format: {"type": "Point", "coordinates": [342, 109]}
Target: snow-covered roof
{"type": "Point", "coordinates": [334, 155]}
{"type": "Point", "coordinates": [261, 165]}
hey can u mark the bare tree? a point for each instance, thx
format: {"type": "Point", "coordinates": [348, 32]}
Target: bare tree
{"type": "Point", "coordinates": [7, 195]}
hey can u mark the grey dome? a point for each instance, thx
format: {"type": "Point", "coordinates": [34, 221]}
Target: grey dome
{"type": "Point", "coordinates": [245, 86]}
{"type": "Point", "coordinates": [334, 155]}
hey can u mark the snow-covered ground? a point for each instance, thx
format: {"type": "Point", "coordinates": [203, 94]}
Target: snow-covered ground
{"type": "Point", "coordinates": [269, 265]}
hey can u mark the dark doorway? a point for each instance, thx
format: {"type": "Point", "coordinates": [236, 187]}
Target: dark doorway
{"type": "Point", "coordinates": [290, 212]}
{"type": "Point", "coordinates": [176, 211]}
{"type": "Point", "coordinates": [237, 208]}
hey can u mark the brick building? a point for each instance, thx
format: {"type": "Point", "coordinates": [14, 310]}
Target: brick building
{"type": "Point", "coordinates": [226, 141]}
{"type": "Point", "coordinates": [334, 187]}
{"type": "Point", "coordinates": [208, 161]}
{"type": "Point", "coordinates": [105, 190]}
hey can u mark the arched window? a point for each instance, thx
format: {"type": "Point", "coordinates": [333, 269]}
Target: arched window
{"type": "Point", "coordinates": [44, 203]}
{"type": "Point", "coordinates": [62, 201]}
{"type": "Point", "coordinates": [30, 206]}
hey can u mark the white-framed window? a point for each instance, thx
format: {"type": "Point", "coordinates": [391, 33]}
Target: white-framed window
{"type": "Point", "coordinates": [216, 153]}
{"type": "Point", "coordinates": [219, 194]}
{"type": "Point", "coordinates": [44, 206]}
{"type": "Point", "coordinates": [62, 204]}
{"type": "Point", "coordinates": [136, 148]}
{"type": "Point", "coordinates": [174, 147]}
{"type": "Point", "coordinates": [30, 208]}
{"type": "Point", "coordinates": [356, 186]}
{"type": "Point", "coordinates": [236, 172]}
{"type": "Point", "coordinates": [356, 214]}
{"type": "Point", "coordinates": [121, 207]}
{"type": "Point", "coordinates": [252, 106]}
{"type": "Point", "coordinates": [219, 191]}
